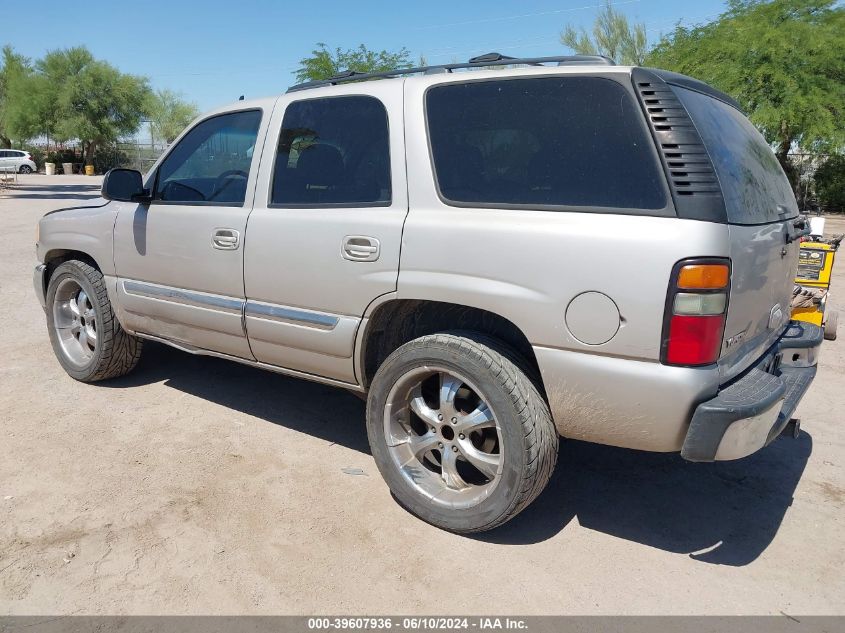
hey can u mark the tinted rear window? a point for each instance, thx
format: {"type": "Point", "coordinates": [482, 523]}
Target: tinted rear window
{"type": "Point", "coordinates": [543, 143]}
{"type": "Point", "coordinates": [333, 151]}
{"type": "Point", "coordinates": [755, 189]}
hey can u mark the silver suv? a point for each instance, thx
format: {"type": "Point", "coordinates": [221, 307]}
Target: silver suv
{"type": "Point", "coordinates": [497, 257]}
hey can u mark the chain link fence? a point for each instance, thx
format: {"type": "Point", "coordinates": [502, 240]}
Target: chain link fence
{"type": "Point", "coordinates": [129, 155]}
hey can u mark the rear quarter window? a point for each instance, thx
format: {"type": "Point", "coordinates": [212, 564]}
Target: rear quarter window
{"type": "Point", "coordinates": [549, 143]}
{"type": "Point", "coordinates": [754, 186]}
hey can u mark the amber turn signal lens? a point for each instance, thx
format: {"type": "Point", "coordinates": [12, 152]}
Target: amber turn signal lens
{"type": "Point", "coordinates": [703, 276]}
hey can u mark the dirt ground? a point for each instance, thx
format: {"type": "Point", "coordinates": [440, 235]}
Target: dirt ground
{"type": "Point", "coordinates": [197, 485]}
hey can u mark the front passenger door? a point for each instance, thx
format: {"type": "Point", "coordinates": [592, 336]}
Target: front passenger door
{"type": "Point", "coordinates": [179, 260]}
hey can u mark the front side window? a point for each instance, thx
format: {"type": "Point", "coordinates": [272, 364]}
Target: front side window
{"type": "Point", "coordinates": [333, 152]}
{"type": "Point", "coordinates": [543, 143]}
{"type": "Point", "coordinates": [211, 163]}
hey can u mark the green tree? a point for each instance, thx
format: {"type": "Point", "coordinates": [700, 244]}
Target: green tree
{"type": "Point", "coordinates": [20, 99]}
{"type": "Point", "coordinates": [612, 35]}
{"type": "Point", "coordinates": [324, 63]}
{"type": "Point", "coordinates": [89, 100]}
{"type": "Point", "coordinates": [783, 61]}
{"type": "Point", "coordinates": [7, 53]}
{"type": "Point", "coordinates": [169, 114]}
{"type": "Point", "coordinates": [830, 183]}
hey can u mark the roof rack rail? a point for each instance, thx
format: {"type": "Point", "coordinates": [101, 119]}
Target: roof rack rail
{"type": "Point", "coordinates": [488, 59]}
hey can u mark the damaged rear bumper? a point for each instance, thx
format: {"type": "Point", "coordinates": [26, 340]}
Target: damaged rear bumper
{"type": "Point", "coordinates": [753, 409]}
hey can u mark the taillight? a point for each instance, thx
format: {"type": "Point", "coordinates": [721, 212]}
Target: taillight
{"type": "Point", "coordinates": [696, 308]}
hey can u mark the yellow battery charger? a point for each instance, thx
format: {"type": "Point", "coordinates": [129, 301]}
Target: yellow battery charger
{"type": "Point", "coordinates": [815, 265]}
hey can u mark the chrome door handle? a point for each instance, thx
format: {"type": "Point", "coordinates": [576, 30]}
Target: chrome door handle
{"type": "Point", "coordinates": [225, 239]}
{"type": "Point", "coordinates": [360, 248]}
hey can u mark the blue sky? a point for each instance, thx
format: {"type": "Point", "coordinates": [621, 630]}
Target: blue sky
{"type": "Point", "coordinates": [213, 51]}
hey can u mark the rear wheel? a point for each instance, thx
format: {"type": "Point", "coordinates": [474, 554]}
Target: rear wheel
{"type": "Point", "coordinates": [461, 435]}
{"type": "Point", "coordinates": [25, 169]}
{"type": "Point", "coordinates": [87, 339]}
{"type": "Point", "coordinates": [830, 324]}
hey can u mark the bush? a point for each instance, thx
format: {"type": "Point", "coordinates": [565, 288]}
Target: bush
{"type": "Point", "coordinates": [62, 156]}
{"type": "Point", "coordinates": [110, 156]}
{"type": "Point", "coordinates": [830, 183]}
{"type": "Point", "coordinates": [38, 156]}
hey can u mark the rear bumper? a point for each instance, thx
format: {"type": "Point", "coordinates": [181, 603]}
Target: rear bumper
{"type": "Point", "coordinates": [752, 410]}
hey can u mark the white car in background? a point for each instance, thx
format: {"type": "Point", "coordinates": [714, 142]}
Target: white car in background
{"type": "Point", "coordinates": [17, 160]}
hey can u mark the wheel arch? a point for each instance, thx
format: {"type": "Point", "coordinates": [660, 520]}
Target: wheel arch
{"type": "Point", "coordinates": [58, 256]}
{"type": "Point", "coordinates": [394, 322]}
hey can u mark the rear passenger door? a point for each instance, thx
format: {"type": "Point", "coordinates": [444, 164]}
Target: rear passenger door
{"type": "Point", "coordinates": [324, 236]}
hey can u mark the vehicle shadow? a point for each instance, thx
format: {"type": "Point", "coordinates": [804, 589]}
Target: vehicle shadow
{"type": "Point", "coordinates": [723, 513]}
{"type": "Point", "coordinates": [334, 415]}
{"type": "Point", "coordinates": [56, 192]}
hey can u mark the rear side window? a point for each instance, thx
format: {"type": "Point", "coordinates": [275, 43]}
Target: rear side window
{"type": "Point", "coordinates": [333, 152]}
{"type": "Point", "coordinates": [543, 143]}
{"type": "Point", "coordinates": [211, 163]}
{"type": "Point", "coordinates": [755, 189]}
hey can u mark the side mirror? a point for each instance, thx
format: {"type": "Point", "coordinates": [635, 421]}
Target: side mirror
{"type": "Point", "coordinates": [126, 185]}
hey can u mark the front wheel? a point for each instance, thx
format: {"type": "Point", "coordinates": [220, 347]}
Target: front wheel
{"type": "Point", "coordinates": [86, 336]}
{"type": "Point", "coordinates": [461, 435]}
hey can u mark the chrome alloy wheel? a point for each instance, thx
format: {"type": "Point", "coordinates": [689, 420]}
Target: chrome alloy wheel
{"type": "Point", "coordinates": [443, 437]}
{"type": "Point", "coordinates": [75, 322]}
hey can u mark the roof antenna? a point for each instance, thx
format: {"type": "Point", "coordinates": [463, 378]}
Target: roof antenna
{"type": "Point", "coordinates": [241, 98]}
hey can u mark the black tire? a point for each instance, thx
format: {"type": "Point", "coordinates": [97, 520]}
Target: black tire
{"type": "Point", "coordinates": [830, 325]}
{"type": "Point", "coordinates": [528, 435]}
{"type": "Point", "coordinates": [115, 353]}
{"type": "Point", "coordinates": [25, 169]}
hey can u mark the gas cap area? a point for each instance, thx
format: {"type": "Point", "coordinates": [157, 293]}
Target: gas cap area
{"type": "Point", "coordinates": [593, 318]}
